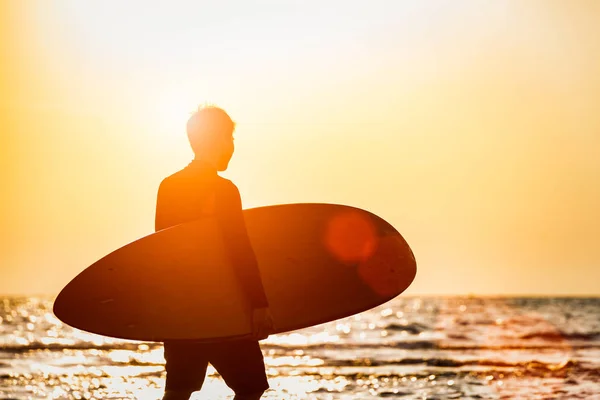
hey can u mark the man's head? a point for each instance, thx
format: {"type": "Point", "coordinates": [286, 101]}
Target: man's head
{"type": "Point", "coordinates": [210, 131]}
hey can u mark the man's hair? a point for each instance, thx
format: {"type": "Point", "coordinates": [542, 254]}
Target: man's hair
{"type": "Point", "coordinates": [207, 124]}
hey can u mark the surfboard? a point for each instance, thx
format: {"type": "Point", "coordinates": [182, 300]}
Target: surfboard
{"type": "Point", "coordinates": [318, 263]}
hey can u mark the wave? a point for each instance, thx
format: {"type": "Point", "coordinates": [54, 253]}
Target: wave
{"type": "Point", "coordinates": [439, 345]}
{"type": "Point", "coordinates": [448, 362]}
{"type": "Point", "coordinates": [555, 336]}
{"type": "Point", "coordinates": [413, 328]}
{"type": "Point", "coordinates": [569, 375]}
{"type": "Point", "coordinates": [399, 345]}
{"type": "Point", "coordinates": [17, 349]}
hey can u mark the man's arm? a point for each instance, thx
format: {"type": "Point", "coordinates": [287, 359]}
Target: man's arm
{"type": "Point", "coordinates": [238, 245]}
{"type": "Point", "coordinates": [159, 219]}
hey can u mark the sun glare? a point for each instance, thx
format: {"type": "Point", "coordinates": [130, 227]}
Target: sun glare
{"type": "Point", "coordinates": [173, 111]}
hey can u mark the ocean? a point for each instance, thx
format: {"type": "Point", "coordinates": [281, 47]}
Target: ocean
{"type": "Point", "coordinates": [410, 348]}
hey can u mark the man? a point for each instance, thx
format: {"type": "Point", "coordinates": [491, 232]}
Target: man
{"type": "Point", "coordinates": [189, 194]}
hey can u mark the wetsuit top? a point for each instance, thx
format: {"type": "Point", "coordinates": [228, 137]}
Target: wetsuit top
{"type": "Point", "coordinates": [197, 191]}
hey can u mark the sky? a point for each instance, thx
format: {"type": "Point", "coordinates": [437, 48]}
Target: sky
{"type": "Point", "coordinates": [472, 126]}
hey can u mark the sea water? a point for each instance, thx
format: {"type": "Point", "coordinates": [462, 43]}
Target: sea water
{"type": "Point", "coordinates": [409, 348]}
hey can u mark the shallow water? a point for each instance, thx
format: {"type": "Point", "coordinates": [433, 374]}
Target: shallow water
{"type": "Point", "coordinates": [409, 348]}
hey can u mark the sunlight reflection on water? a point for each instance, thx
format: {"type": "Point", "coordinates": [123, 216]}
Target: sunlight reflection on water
{"type": "Point", "coordinates": [468, 348]}
{"type": "Point", "coordinates": [297, 339]}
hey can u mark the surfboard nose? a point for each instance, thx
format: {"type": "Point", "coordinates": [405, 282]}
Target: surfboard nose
{"type": "Point", "coordinates": [393, 243]}
{"type": "Point", "coordinates": [391, 268]}
{"type": "Point", "coordinates": [365, 241]}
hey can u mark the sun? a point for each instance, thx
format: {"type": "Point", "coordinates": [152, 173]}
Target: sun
{"type": "Point", "coordinates": [173, 112]}
{"type": "Point", "coordinates": [162, 120]}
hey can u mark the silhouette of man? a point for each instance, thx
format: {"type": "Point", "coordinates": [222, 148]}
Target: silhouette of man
{"type": "Point", "coordinates": [189, 194]}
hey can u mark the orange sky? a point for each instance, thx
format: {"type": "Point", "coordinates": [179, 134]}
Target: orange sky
{"type": "Point", "coordinates": [473, 127]}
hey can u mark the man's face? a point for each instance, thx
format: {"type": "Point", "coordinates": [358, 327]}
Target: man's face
{"type": "Point", "coordinates": [227, 149]}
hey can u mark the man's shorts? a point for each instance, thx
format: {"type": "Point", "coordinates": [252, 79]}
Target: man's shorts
{"type": "Point", "coordinates": [240, 363]}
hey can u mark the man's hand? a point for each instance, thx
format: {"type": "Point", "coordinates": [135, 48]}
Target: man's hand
{"type": "Point", "coordinates": [262, 323]}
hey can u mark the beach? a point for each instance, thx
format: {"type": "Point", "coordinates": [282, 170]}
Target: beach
{"type": "Point", "coordinates": [409, 348]}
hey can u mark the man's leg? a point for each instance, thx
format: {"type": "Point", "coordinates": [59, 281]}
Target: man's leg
{"type": "Point", "coordinates": [242, 367]}
{"type": "Point", "coordinates": [176, 395]}
{"type": "Point", "coordinates": [186, 365]}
